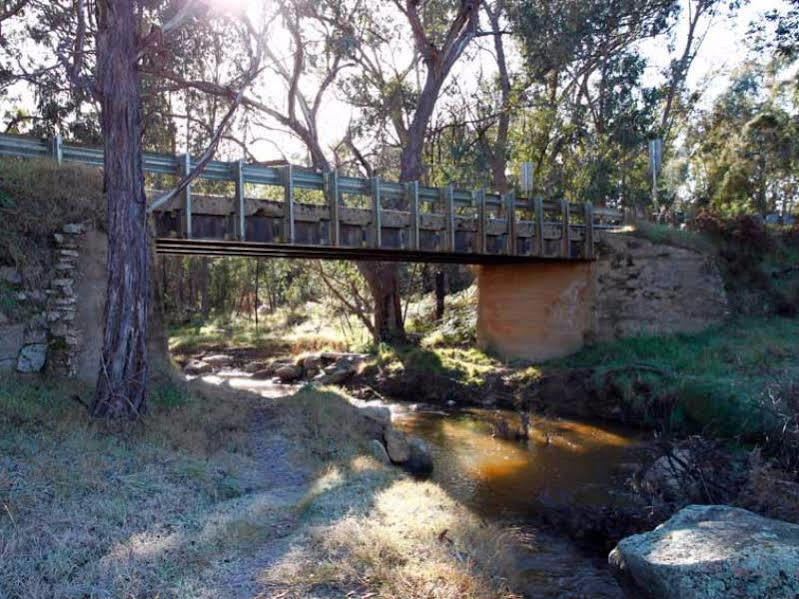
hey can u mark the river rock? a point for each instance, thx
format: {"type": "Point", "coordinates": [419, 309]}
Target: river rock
{"type": "Point", "coordinates": [378, 452]}
{"type": "Point", "coordinates": [421, 459]}
{"type": "Point", "coordinates": [197, 367]}
{"type": "Point", "coordinates": [32, 357]}
{"type": "Point", "coordinates": [3, 319]}
{"type": "Point", "coordinates": [397, 446]}
{"type": "Point", "coordinates": [311, 364]}
{"type": "Point", "coordinates": [288, 373]}
{"type": "Point", "coordinates": [711, 552]}
{"type": "Point", "coordinates": [218, 360]}
{"type": "Point", "coordinates": [11, 275]}
{"type": "Point", "coordinates": [336, 376]}
{"type": "Point", "coordinates": [253, 367]}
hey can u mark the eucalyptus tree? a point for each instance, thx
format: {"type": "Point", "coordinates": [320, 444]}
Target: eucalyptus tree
{"type": "Point", "coordinates": [98, 52]}
{"type": "Point", "coordinates": [396, 89]}
{"type": "Point", "coordinates": [744, 151]}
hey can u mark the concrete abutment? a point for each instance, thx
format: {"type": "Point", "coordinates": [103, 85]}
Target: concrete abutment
{"type": "Point", "coordinates": [541, 311]}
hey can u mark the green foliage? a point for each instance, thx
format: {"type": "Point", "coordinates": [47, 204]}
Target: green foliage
{"type": "Point", "coordinates": [717, 381]}
{"type": "Point", "coordinates": [668, 235]}
{"type": "Point", "coordinates": [747, 151]}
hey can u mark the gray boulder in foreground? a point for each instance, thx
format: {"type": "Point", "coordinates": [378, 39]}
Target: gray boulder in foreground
{"type": "Point", "coordinates": [711, 551]}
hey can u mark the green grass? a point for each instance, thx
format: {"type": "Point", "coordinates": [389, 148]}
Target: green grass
{"type": "Point", "coordinates": [731, 379]}
{"type": "Point", "coordinates": [277, 334]}
{"type": "Point", "coordinates": [466, 365]}
{"type": "Point", "coordinates": [668, 235]}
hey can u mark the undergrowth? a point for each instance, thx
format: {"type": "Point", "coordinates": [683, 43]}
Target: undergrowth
{"type": "Point", "coordinates": [737, 380]}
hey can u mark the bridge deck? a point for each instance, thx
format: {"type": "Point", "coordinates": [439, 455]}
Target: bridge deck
{"type": "Point", "coordinates": [328, 215]}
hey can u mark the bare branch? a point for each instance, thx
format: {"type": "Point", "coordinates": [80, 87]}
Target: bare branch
{"type": "Point", "coordinates": [204, 159]}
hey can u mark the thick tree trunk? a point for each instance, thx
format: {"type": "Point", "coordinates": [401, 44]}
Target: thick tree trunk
{"type": "Point", "coordinates": [383, 281]}
{"type": "Point", "coordinates": [122, 381]}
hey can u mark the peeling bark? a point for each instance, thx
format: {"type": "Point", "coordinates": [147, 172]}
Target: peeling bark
{"type": "Point", "coordinates": [122, 380]}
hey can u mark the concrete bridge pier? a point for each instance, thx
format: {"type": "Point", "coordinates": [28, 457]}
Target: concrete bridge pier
{"type": "Point", "coordinates": [535, 311]}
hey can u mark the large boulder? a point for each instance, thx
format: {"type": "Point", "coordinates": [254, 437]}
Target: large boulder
{"type": "Point", "coordinates": [378, 452]}
{"type": "Point", "coordinates": [710, 552]}
{"type": "Point", "coordinates": [380, 414]}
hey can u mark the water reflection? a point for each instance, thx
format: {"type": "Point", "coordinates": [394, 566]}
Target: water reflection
{"type": "Point", "coordinates": [563, 462]}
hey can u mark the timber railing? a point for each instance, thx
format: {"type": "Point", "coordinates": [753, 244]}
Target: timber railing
{"type": "Point", "coordinates": [387, 220]}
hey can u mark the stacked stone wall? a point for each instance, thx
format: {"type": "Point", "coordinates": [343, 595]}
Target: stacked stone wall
{"type": "Point", "coordinates": [38, 309]}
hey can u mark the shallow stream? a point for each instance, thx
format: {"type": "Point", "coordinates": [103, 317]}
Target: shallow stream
{"type": "Point", "coordinates": [564, 463]}
{"type": "Point", "coordinates": [513, 482]}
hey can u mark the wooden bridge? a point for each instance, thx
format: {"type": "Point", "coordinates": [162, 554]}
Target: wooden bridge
{"type": "Point", "coordinates": [295, 212]}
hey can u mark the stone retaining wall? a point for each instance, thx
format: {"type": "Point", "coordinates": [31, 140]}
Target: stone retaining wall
{"type": "Point", "coordinates": [38, 310]}
{"type": "Point", "coordinates": [644, 288]}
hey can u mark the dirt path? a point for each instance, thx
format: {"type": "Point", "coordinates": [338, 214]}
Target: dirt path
{"type": "Point", "coordinates": [281, 483]}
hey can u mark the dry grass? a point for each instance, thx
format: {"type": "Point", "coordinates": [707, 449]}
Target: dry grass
{"type": "Point", "coordinates": [141, 512]}
{"type": "Point", "coordinates": [372, 530]}
{"type": "Point", "coordinates": [180, 505]}
{"type": "Point", "coordinates": [37, 197]}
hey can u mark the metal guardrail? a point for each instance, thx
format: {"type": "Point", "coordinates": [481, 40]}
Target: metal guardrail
{"type": "Point", "coordinates": [333, 185]}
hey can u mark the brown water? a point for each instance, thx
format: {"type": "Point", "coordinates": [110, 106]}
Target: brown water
{"type": "Point", "coordinates": [564, 461]}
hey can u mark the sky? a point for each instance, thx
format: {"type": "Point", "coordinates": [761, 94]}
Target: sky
{"type": "Point", "coordinates": [724, 47]}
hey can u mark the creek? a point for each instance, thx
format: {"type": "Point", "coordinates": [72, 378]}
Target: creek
{"type": "Point", "coordinates": [514, 482]}
{"type": "Point", "coordinates": [563, 463]}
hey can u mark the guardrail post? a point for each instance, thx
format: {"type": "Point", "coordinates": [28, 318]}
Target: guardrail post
{"type": "Point", "coordinates": [540, 247]}
{"type": "Point", "coordinates": [184, 168]}
{"type": "Point", "coordinates": [240, 223]}
{"type": "Point", "coordinates": [448, 198]}
{"type": "Point", "coordinates": [57, 148]}
{"type": "Point", "coordinates": [412, 193]}
{"type": "Point", "coordinates": [565, 230]}
{"type": "Point", "coordinates": [331, 191]}
{"type": "Point", "coordinates": [588, 239]}
{"type": "Point", "coordinates": [288, 204]}
{"type": "Point", "coordinates": [479, 201]}
{"type": "Point", "coordinates": [377, 224]}
{"type": "Point", "coordinates": [510, 209]}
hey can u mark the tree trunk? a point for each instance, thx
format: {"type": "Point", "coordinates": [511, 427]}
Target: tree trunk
{"type": "Point", "coordinates": [205, 296]}
{"type": "Point", "coordinates": [441, 293]}
{"type": "Point", "coordinates": [383, 281]}
{"type": "Point", "coordinates": [122, 381]}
